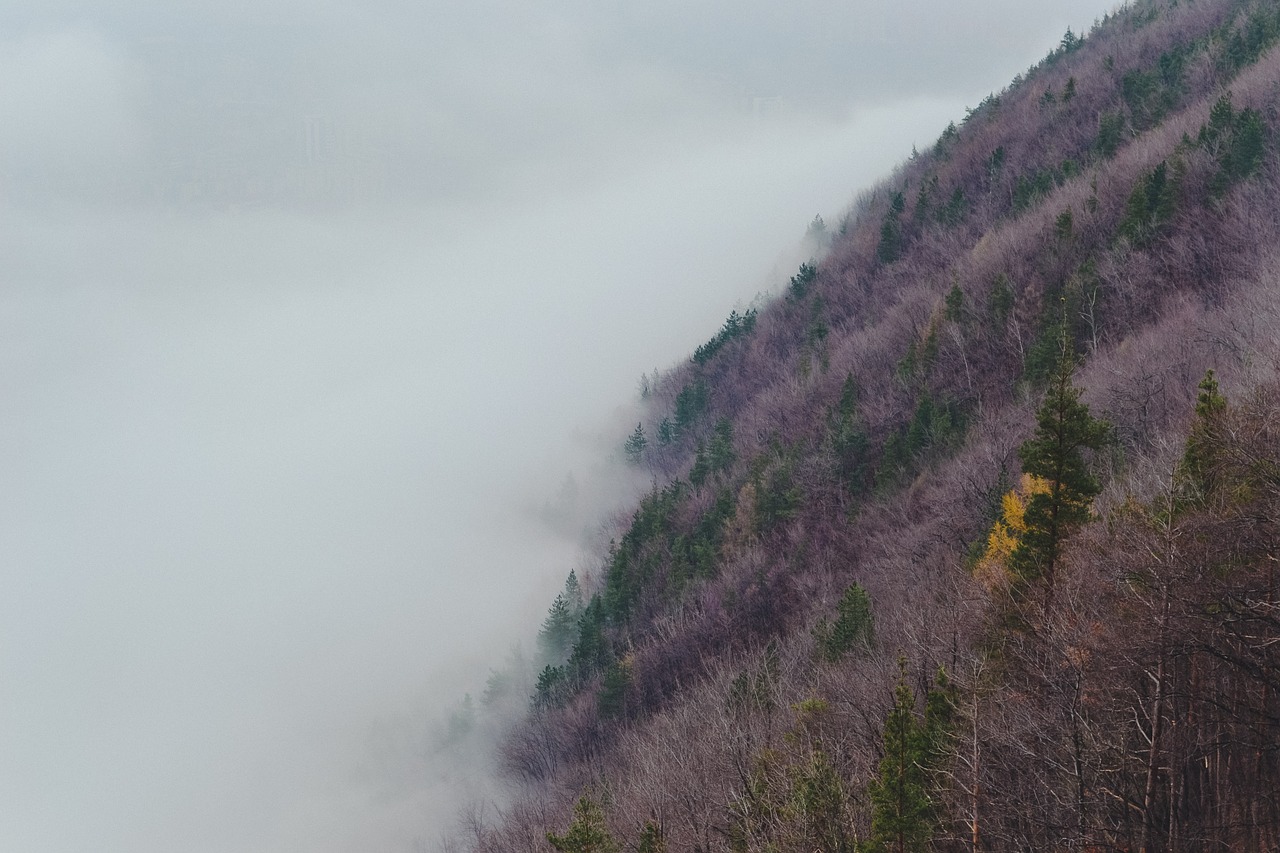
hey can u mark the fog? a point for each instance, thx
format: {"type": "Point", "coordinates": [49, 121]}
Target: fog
{"type": "Point", "coordinates": [305, 311]}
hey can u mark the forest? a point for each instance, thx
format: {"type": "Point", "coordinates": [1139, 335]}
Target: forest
{"type": "Point", "coordinates": [968, 539]}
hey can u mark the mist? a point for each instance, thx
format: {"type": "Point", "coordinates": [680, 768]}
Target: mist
{"type": "Point", "coordinates": [307, 310]}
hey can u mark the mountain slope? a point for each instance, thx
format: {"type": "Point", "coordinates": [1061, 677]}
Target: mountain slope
{"type": "Point", "coordinates": [810, 635]}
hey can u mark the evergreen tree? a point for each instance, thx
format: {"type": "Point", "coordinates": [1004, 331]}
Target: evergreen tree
{"type": "Point", "coordinates": [1152, 203]}
{"type": "Point", "coordinates": [778, 499]}
{"type": "Point", "coordinates": [1195, 477]}
{"type": "Point", "coordinates": [889, 248]}
{"type": "Point", "coordinates": [817, 804]}
{"type": "Point", "coordinates": [1215, 133]}
{"type": "Point", "coordinates": [1110, 133]}
{"type": "Point", "coordinates": [894, 460]}
{"type": "Point", "coordinates": [939, 719]}
{"type": "Point", "coordinates": [901, 811]}
{"type": "Point", "coordinates": [918, 433]}
{"type": "Point", "coordinates": [853, 626]}
{"type": "Point", "coordinates": [635, 445]}
{"type": "Point", "coordinates": [573, 594]}
{"type": "Point", "coordinates": [667, 432]}
{"type": "Point", "coordinates": [849, 442]}
{"type": "Point", "coordinates": [496, 687]}
{"type": "Point", "coordinates": [587, 833]}
{"type": "Point", "coordinates": [651, 839]}
{"type": "Point", "coordinates": [955, 304]}
{"type": "Point", "coordinates": [558, 632]}
{"type": "Point", "coordinates": [798, 288]}
{"type": "Point", "coordinates": [1064, 429]}
{"type": "Point", "coordinates": [612, 701]}
{"type": "Point", "coordinates": [1244, 156]}
{"type": "Point", "coordinates": [550, 688]}
{"type": "Point", "coordinates": [691, 403]}
{"type": "Point", "coordinates": [720, 454]}
{"type": "Point", "coordinates": [817, 233]}
{"type": "Point", "coordinates": [1064, 225]}
{"type": "Point", "coordinates": [904, 810]}
{"type": "Point", "coordinates": [591, 653]}
{"type": "Point", "coordinates": [955, 209]}
{"type": "Point", "coordinates": [701, 466]}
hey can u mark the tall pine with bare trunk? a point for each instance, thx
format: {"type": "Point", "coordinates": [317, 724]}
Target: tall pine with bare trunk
{"type": "Point", "coordinates": [1064, 430]}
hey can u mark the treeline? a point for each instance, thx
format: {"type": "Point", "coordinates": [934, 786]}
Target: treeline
{"type": "Point", "coordinates": [957, 545]}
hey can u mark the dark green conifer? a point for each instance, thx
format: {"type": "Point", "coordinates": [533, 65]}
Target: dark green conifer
{"type": "Point", "coordinates": [635, 445]}
{"type": "Point", "coordinates": [1064, 429]}
{"type": "Point", "coordinates": [798, 288]}
{"type": "Point", "coordinates": [853, 626]}
{"type": "Point", "coordinates": [955, 304]}
{"type": "Point", "coordinates": [651, 839]}
{"type": "Point", "coordinates": [587, 833]}
{"type": "Point", "coordinates": [889, 249]}
{"type": "Point", "coordinates": [612, 701]}
{"type": "Point", "coordinates": [573, 594]}
{"type": "Point", "coordinates": [818, 805]}
{"type": "Point", "coordinates": [558, 632]}
{"type": "Point", "coordinates": [720, 453]}
{"type": "Point", "coordinates": [550, 687]}
{"type": "Point", "coordinates": [667, 432]}
{"type": "Point", "coordinates": [901, 810]}
{"type": "Point", "coordinates": [850, 444]}
{"type": "Point", "coordinates": [701, 467]}
{"type": "Point", "coordinates": [1196, 474]}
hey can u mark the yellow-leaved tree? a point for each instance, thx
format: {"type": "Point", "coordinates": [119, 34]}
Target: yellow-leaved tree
{"type": "Point", "coordinates": [993, 568]}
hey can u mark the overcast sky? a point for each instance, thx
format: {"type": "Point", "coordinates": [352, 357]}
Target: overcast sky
{"type": "Point", "coordinates": [304, 310]}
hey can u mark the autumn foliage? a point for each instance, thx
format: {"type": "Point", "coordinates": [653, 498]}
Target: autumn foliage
{"type": "Point", "coordinates": [958, 545]}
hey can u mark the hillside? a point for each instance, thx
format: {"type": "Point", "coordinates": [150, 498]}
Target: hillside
{"type": "Point", "coordinates": [968, 540]}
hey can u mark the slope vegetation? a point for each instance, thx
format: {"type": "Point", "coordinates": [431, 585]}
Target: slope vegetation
{"type": "Point", "coordinates": [969, 540]}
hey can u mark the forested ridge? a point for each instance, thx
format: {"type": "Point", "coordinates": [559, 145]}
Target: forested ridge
{"type": "Point", "coordinates": [967, 540]}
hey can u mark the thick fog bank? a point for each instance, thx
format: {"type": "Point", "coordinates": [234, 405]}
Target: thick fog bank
{"type": "Point", "coordinates": [304, 314]}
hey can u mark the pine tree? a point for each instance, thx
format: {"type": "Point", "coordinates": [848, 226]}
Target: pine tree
{"type": "Point", "coordinates": [1214, 134]}
{"type": "Point", "coordinates": [667, 432]}
{"type": "Point", "coordinates": [904, 802]}
{"type": "Point", "coordinates": [817, 805]}
{"type": "Point", "coordinates": [901, 811]}
{"type": "Point", "coordinates": [701, 467]}
{"type": "Point", "coordinates": [854, 625]}
{"type": "Point", "coordinates": [955, 304]}
{"type": "Point", "coordinates": [612, 699]}
{"type": "Point", "coordinates": [590, 651]}
{"type": "Point", "coordinates": [720, 453]}
{"type": "Point", "coordinates": [558, 632]}
{"type": "Point", "coordinates": [635, 445]}
{"type": "Point", "coordinates": [1064, 429]}
{"type": "Point", "coordinates": [573, 594]}
{"type": "Point", "coordinates": [1152, 203]}
{"type": "Point", "coordinates": [551, 687]}
{"type": "Point", "coordinates": [1195, 477]}
{"type": "Point", "coordinates": [798, 288]}
{"type": "Point", "coordinates": [651, 839]}
{"type": "Point", "coordinates": [587, 833]}
{"type": "Point", "coordinates": [849, 442]}
{"type": "Point", "coordinates": [889, 249]}
{"type": "Point", "coordinates": [939, 720]}
{"type": "Point", "coordinates": [817, 233]}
